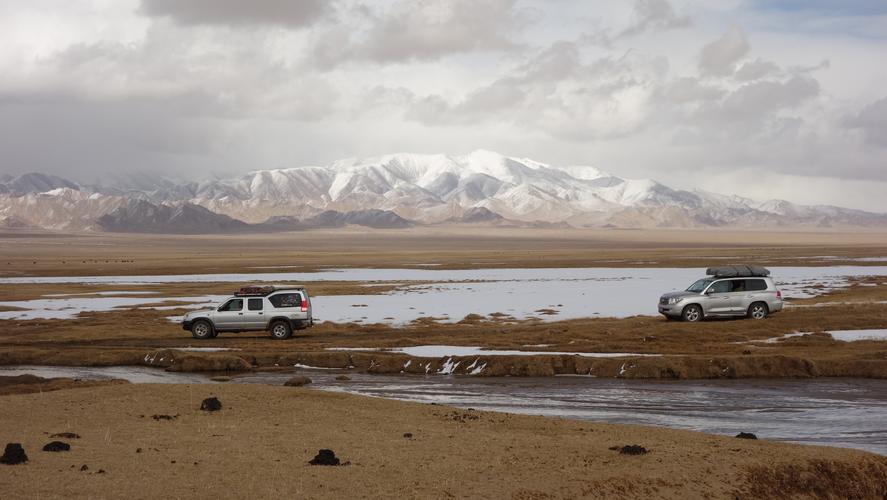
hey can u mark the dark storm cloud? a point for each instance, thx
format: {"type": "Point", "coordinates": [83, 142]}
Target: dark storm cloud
{"type": "Point", "coordinates": [420, 30]}
{"type": "Point", "coordinates": [288, 13]}
{"type": "Point", "coordinates": [655, 15]}
{"type": "Point", "coordinates": [75, 136]}
{"type": "Point", "coordinates": [872, 121]}
{"type": "Point", "coordinates": [720, 56]}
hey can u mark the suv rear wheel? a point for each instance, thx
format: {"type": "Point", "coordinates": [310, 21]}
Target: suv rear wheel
{"type": "Point", "coordinates": [202, 329]}
{"type": "Point", "coordinates": [281, 330]}
{"type": "Point", "coordinates": [692, 313]}
{"type": "Point", "coordinates": [758, 310]}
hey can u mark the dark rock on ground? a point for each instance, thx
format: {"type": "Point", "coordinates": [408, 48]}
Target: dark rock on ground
{"type": "Point", "coordinates": [746, 435]}
{"type": "Point", "coordinates": [14, 454]}
{"type": "Point", "coordinates": [325, 457]}
{"type": "Point", "coordinates": [408, 435]}
{"type": "Point", "coordinates": [633, 449]}
{"type": "Point", "coordinates": [66, 435]}
{"type": "Point", "coordinates": [211, 404]}
{"type": "Point", "coordinates": [297, 381]}
{"type": "Point", "coordinates": [84, 467]}
{"type": "Point", "coordinates": [57, 446]}
{"type": "Point", "coordinates": [164, 417]}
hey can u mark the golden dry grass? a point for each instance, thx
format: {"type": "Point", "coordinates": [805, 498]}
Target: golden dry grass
{"type": "Point", "coordinates": [710, 349]}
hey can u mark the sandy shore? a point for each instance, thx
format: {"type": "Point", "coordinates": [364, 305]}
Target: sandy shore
{"type": "Point", "coordinates": [260, 443]}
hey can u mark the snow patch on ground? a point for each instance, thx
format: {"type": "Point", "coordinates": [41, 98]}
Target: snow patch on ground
{"type": "Point", "coordinates": [855, 335]}
{"type": "Point", "coordinates": [440, 351]}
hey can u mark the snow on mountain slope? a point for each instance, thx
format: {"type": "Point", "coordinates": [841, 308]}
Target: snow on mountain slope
{"type": "Point", "coordinates": [432, 188]}
{"type": "Point", "coordinates": [61, 209]}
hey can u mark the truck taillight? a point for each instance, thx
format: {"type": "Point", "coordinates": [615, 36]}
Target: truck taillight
{"type": "Point", "coordinates": [304, 305]}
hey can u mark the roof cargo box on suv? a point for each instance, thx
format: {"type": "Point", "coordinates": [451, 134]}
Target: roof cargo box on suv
{"type": "Point", "coordinates": [737, 271]}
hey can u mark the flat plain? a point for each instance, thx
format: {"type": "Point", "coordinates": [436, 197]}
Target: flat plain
{"type": "Point", "coordinates": [262, 440]}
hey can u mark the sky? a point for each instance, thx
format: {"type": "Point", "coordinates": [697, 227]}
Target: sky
{"type": "Point", "coordinates": [766, 99]}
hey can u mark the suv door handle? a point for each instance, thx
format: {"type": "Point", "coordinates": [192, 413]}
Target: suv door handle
{"type": "Point", "coordinates": [260, 313]}
{"type": "Point", "coordinates": [240, 314]}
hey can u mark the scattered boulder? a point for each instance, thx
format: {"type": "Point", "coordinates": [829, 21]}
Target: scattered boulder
{"type": "Point", "coordinates": [84, 467]}
{"type": "Point", "coordinates": [211, 404]}
{"type": "Point", "coordinates": [343, 378]}
{"type": "Point", "coordinates": [633, 449]}
{"type": "Point", "coordinates": [325, 457]}
{"type": "Point", "coordinates": [57, 446]}
{"type": "Point", "coordinates": [746, 435]}
{"type": "Point", "coordinates": [164, 417]}
{"type": "Point", "coordinates": [14, 454]}
{"type": "Point", "coordinates": [408, 435]}
{"type": "Point", "coordinates": [66, 435]}
{"type": "Point", "coordinates": [297, 381]}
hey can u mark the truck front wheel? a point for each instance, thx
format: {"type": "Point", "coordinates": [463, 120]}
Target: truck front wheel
{"type": "Point", "coordinates": [202, 329]}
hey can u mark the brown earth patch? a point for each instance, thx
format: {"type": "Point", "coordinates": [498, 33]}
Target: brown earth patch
{"type": "Point", "coordinates": [248, 448]}
{"type": "Point", "coordinates": [26, 384]}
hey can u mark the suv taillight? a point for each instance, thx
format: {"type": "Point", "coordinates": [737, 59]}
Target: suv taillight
{"type": "Point", "coordinates": [304, 305]}
{"type": "Point", "coordinates": [779, 294]}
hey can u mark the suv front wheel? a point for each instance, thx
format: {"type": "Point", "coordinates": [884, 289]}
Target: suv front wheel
{"type": "Point", "coordinates": [202, 329]}
{"type": "Point", "coordinates": [281, 330]}
{"type": "Point", "coordinates": [692, 313]}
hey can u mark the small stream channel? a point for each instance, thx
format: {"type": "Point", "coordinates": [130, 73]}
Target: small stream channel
{"type": "Point", "coordinates": [825, 411]}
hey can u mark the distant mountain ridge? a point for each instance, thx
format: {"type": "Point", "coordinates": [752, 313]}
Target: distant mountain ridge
{"type": "Point", "coordinates": [400, 190]}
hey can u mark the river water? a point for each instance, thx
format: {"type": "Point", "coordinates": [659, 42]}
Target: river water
{"type": "Point", "coordinates": [825, 411]}
{"type": "Point", "coordinates": [550, 294]}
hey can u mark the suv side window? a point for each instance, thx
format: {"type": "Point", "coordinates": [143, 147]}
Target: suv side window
{"type": "Point", "coordinates": [281, 300]}
{"type": "Point", "coordinates": [232, 305]}
{"type": "Point", "coordinates": [755, 285]}
{"type": "Point", "coordinates": [739, 286]}
{"type": "Point", "coordinates": [720, 287]}
{"type": "Point", "coordinates": [254, 304]}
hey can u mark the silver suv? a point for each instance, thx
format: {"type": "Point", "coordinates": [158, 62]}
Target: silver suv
{"type": "Point", "coordinates": [277, 309]}
{"type": "Point", "coordinates": [729, 291]}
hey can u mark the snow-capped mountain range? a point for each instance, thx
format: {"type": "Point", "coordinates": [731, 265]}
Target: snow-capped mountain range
{"type": "Point", "coordinates": [479, 188]}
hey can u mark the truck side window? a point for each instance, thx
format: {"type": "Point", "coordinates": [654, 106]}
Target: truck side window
{"type": "Point", "coordinates": [281, 300]}
{"type": "Point", "coordinates": [233, 305]}
{"type": "Point", "coordinates": [254, 304]}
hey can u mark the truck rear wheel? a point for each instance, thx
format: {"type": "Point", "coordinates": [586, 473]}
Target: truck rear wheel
{"type": "Point", "coordinates": [281, 330]}
{"type": "Point", "coordinates": [202, 329]}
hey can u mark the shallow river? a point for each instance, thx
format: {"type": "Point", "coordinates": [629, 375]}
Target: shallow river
{"type": "Point", "coordinates": [548, 293]}
{"type": "Point", "coordinates": [834, 412]}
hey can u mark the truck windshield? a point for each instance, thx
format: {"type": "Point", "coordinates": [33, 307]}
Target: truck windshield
{"type": "Point", "coordinates": [699, 286]}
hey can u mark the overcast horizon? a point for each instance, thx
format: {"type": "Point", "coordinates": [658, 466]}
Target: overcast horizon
{"type": "Point", "coordinates": [784, 99]}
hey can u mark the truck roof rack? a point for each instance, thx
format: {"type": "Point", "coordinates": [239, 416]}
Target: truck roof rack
{"type": "Point", "coordinates": [263, 290]}
{"type": "Point", "coordinates": [737, 271]}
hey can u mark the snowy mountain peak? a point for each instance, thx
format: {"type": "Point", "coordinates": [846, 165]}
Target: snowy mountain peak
{"type": "Point", "coordinates": [481, 186]}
